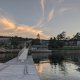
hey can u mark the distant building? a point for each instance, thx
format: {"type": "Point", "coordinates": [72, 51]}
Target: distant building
{"type": "Point", "coordinates": [39, 47]}
{"type": "Point", "coordinates": [44, 42]}
{"type": "Point", "coordinates": [72, 42]}
{"type": "Point", "coordinates": [78, 43]}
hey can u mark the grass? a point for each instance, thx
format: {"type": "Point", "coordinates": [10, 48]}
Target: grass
{"type": "Point", "coordinates": [70, 48]}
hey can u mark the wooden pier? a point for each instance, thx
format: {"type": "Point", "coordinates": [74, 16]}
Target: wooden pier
{"type": "Point", "coordinates": [19, 68]}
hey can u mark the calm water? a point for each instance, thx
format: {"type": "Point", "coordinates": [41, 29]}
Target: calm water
{"type": "Point", "coordinates": [59, 68]}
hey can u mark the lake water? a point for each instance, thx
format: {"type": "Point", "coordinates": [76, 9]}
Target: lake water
{"type": "Point", "coordinates": [59, 68]}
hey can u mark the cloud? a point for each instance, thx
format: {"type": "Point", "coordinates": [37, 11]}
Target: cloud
{"type": "Point", "coordinates": [51, 15]}
{"type": "Point", "coordinates": [59, 1]}
{"type": "Point", "coordinates": [7, 23]}
{"type": "Point", "coordinates": [42, 2]}
{"type": "Point", "coordinates": [9, 27]}
{"type": "Point", "coordinates": [41, 20]}
{"type": "Point", "coordinates": [30, 29]}
{"type": "Point", "coordinates": [39, 23]}
{"type": "Point", "coordinates": [64, 9]}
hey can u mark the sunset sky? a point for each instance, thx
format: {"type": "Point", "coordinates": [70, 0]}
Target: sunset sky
{"type": "Point", "coordinates": [27, 18]}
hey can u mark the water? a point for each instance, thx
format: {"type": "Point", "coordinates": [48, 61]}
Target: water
{"type": "Point", "coordinates": [6, 56]}
{"type": "Point", "coordinates": [59, 68]}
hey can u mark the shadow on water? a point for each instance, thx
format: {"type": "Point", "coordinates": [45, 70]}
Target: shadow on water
{"type": "Point", "coordinates": [56, 58]}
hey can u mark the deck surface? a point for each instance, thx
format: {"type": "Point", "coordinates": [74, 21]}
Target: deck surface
{"type": "Point", "coordinates": [17, 70]}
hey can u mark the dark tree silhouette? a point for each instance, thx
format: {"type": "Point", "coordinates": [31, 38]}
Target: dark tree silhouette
{"type": "Point", "coordinates": [77, 36]}
{"type": "Point", "coordinates": [55, 44]}
{"type": "Point", "coordinates": [61, 36]}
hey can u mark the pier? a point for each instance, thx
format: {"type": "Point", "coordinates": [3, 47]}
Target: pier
{"type": "Point", "coordinates": [20, 68]}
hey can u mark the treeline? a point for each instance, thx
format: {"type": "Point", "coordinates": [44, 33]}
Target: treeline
{"type": "Point", "coordinates": [54, 42]}
{"type": "Point", "coordinates": [60, 39]}
{"type": "Point", "coordinates": [15, 42]}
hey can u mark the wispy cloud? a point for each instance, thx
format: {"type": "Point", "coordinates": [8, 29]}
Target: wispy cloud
{"type": "Point", "coordinates": [39, 23]}
{"type": "Point", "coordinates": [51, 15]}
{"type": "Point", "coordinates": [59, 1]}
{"type": "Point", "coordinates": [66, 9]}
{"type": "Point", "coordinates": [7, 23]}
{"type": "Point", "coordinates": [41, 20]}
{"type": "Point", "coordinates": [62, 10]}
{"type": "Point", "coordinates": [9, 26]}
{"type": "Point", "coordinates": [42, 2]}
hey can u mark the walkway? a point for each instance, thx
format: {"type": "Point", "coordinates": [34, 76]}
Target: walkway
{"type": "Point", "coordinates": [19, 68]}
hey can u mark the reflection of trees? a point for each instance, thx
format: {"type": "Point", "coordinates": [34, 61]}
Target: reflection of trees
{"type": "Point", "coordinates": [76, 59]}
{"type": "Point", "coordinates": [37, 60]}
{"type": "Point", "coordinates": [62, 67]}
{"type": "Point", "coordinates": [73, 57]}
{"type": "Point", "coordinates": [58, 59]}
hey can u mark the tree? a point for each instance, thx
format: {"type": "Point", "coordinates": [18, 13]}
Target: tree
{"type": "Point", "coordinates": [55, 44]}
{"type": "Point", "coordinates": [77, 36]}
{"type": "Point", "coordinates": [35, 42]}
{"type": "Point", "coordinates": [61, 36]}
{"type": "Point", "coordinates": [52, 43]}
{"type": "Point", "coordinates": [67, 38]}
{"type": "Point", "coordinates": [15, 41]}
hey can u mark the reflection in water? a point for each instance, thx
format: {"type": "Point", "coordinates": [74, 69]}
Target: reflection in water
{"type": "Point", "coordinates": [59, 67]}
{"type": "Point", "coordinates": [39, 68]}
{"type": "Point", "coordinates": [56, 59]}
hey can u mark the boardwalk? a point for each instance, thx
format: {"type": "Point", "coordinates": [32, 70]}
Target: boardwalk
{"type": "Point", "coordinates": [19, 68]}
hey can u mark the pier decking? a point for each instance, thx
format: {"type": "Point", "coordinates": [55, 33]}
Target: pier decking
{"type": "Point", "coordinates": [16, 69]}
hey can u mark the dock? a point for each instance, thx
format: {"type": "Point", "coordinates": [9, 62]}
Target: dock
{"type": "Point", "coordinates": [19, 68]}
